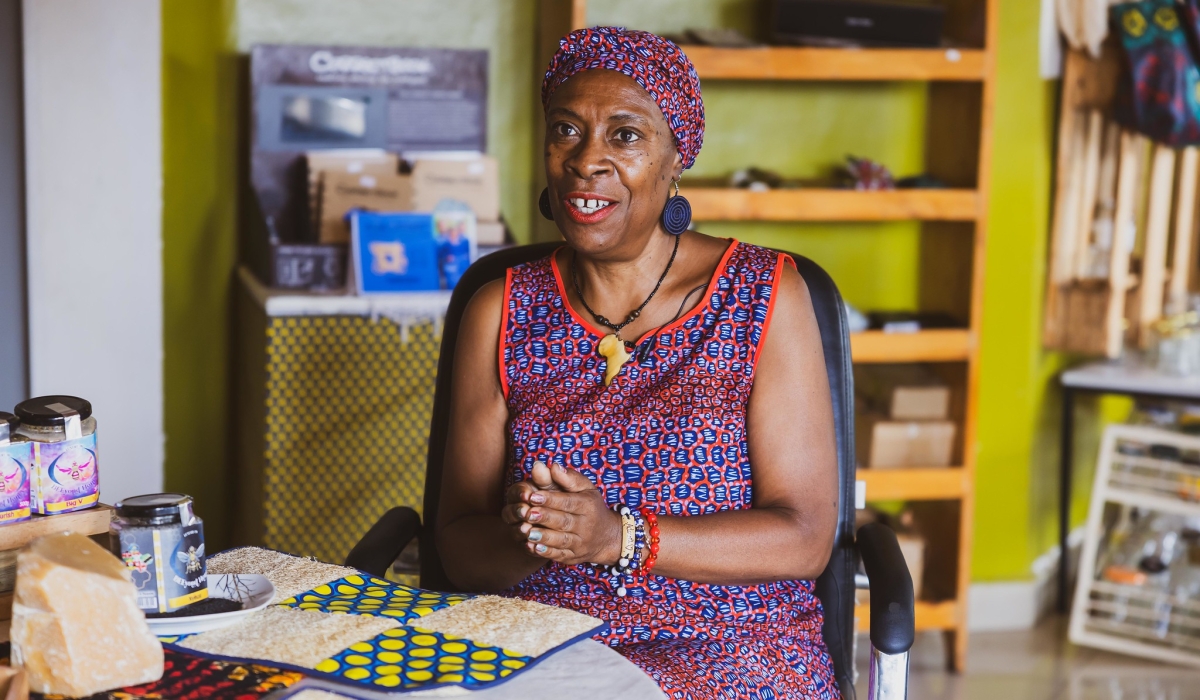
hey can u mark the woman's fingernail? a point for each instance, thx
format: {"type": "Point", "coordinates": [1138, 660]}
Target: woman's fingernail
{"type": "Point", "coordinates": [522, 511]}
{"type": "Point", "coordinates": [538, 498]}
{"type": "Point", "coordinates": [534, 516]}
{"type": "Point", "coordinates": [539, 463]}
{"type": "Point", "coordinates": [541, 549]}
{"type": "Point", "coordinates": [535, 536]}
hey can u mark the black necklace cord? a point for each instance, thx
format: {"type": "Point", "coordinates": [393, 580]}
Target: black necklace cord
{"type": "Point", "coordinates": [644, 350]}
{"type": "Point", "coordinates": [633, 315]}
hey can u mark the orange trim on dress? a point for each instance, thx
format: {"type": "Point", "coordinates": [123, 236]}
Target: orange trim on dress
{"type": "Point", "coordinates": [708, 292]}
{"type": "Point", "coordinates": [762, 341]}
{"type": "Point", "coordinates": [508, 280]}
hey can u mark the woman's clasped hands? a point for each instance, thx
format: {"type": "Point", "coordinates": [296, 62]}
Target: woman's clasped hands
{"type": "Point", "coordinates": [560, 515]}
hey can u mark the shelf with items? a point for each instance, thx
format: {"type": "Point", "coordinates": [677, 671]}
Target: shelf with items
{"type": "Point", "coordinates": [821, 204]}
{"type": "Point", "coordinates": [914, 483]}
{"type": "Point", "coordinates": [934, 345]}
{"type": "Point", "coordinates": [807, 63]}
{"type": "Point", "coordinates": [940, 615]}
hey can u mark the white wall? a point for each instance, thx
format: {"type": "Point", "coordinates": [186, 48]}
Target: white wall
{"type": "Point", "coordinates": [93, 126]}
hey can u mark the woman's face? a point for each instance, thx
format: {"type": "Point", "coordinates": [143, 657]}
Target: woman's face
{"type": "Point", "coordinates": [610, 160]}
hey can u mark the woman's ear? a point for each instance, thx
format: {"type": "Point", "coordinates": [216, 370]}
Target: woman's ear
{"type": "Point", "coordinates": [677, 167]}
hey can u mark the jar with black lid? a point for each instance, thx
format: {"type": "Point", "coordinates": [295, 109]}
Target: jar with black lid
{"type": "Point", "coordinates": [161, 541]}
{"type": "Point", "coordinates": [15, 454]}
{"type": "Point", "coordinates": [64, 465]}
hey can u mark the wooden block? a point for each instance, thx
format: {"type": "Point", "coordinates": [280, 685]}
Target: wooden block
{"type": "Point", "coordinates": [1129, 170]}
{"type": "Point", "coordinates": [1089, 184]}
{"type": "Point", "coordinates": [93, 521]}
{"type": "Point", "coordinates": [1182, 264]}
{"type": "Point", "coordinates": [1154, 257]}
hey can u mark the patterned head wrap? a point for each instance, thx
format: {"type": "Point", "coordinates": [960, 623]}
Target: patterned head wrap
{"type": "Point", "coordinates": [658, 65]}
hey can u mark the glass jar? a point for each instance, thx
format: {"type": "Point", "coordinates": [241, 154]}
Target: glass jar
{"type": "Point", "coordinates": [64, 465]}
{"type": "Point", "coordinates": [161, 541]}
{"type": "Point", "coordinates": [15, 455]}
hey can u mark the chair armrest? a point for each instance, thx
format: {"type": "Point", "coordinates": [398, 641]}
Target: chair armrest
{"type": "Point", "coordinates": [383, 543]}
{"type": "Point", "coordinates": [892, 614]}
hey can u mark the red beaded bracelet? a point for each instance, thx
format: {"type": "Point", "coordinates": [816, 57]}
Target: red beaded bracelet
{"type": "Point", "coordinates": [652, 524]}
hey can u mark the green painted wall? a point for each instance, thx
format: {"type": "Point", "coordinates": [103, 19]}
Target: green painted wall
{"type": "Point", "coordinates": [199, 250]}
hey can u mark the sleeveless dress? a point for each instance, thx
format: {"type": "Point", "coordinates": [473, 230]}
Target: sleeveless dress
{"type": "Point", "coordinates": [668, 434]}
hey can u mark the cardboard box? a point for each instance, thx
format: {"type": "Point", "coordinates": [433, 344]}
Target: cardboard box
{"type": "Point", "coordinates": [351, 161]}
{"type": "Point", "coordinates": [920, 402]}
{"type": "Point", "coordinates": [341, 192]}
{"type": "Point", "coordinates": [490, 233]}
{"type": "Point", "coordinates": [902, 392]}
{"type": "Point", "coordinates": [888, 444]}
{"type": "Point", "coordinates": [475, 182]}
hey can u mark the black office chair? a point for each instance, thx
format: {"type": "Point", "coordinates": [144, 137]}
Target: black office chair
{"type": "Point", "coordinates": [892, 628]}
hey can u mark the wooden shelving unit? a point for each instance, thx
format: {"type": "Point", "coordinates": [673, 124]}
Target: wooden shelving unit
{"type": "Point", "coordinates": [796, 63]}
{"type": "Point", "coordinates": [730, 204]}
{"type": "Point", "coordinates": [953, 236]}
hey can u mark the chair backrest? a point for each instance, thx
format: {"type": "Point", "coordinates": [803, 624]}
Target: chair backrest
{"type": "Point", "coordinates": [835, 587]}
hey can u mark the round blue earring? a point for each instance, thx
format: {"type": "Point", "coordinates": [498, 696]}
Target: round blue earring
{"type": "Point", "coordinates": [677, 214]}
{"type": "Point", "coordinates": [544, 204]}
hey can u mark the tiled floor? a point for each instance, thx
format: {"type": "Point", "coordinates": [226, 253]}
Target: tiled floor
{"type": "Point", "coordinates": [1037, 665]}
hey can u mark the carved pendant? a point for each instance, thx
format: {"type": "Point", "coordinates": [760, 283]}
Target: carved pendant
{"type": "Point", "coordinates": [613, 350]}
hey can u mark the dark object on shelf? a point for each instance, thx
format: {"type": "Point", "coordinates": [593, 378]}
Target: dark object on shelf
{"type": "Point", "coordinates": [856, 23]}
{"type": "Point", "coordinates": [756, 179]}
{"type": "Point", "coordinates": [723, 37]}
{"type": "Point", "coordinates": [909, 321]}
{"type": "Point", "coordinates": [208, 606]}
{"type": "Point", "coordinates": [316, 268]}
{"type": "Point", "coordinates": [920, 182]}
{"type": "Point", "coordinates": [865, 174]}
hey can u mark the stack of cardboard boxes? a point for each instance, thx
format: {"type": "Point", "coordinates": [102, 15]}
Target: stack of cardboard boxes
{"type": "Point", "coordinates": [372, 180]}
{"type": "Point", "coordinates": [903, 418]}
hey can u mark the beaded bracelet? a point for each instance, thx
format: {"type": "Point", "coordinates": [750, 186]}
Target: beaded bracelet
{"type": "Point", "coordinates": [652, 521]}
{"type": "Point", "coordinates": [633, 539]}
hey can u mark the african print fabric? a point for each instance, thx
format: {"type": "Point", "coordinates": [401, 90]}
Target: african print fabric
{"type": "Point", "coordinates": [655, 63]}
{"type": "Point", "coordinates": [668, 434]}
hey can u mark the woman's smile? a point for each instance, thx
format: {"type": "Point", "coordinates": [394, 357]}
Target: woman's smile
{"type": "Point", "coordinates": [588, 207]}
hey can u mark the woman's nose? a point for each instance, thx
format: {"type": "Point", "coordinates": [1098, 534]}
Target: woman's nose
{"type": "Point", "coordinates": [591, 158]}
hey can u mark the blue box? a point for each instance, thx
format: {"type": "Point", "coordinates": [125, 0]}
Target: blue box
{"type": "Point", "coordinates": [394, 252]}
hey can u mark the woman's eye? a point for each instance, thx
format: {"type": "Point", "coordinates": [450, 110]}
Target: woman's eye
{"type": "Point", "coordinates": [627, 136]}
{"type": "Point", "coordinates": [566, 130]}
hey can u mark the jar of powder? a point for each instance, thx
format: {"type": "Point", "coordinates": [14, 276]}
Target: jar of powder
{"type": "Point", "coordinates": [15, 454]}
{"type": "Point", "coordinates": [161, 541]}
{"type": "Point", "coordinates": [64, 466]}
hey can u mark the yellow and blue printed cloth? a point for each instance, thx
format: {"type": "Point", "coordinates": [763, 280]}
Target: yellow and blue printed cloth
{"type": "Point", "coordinates": [369, 633]}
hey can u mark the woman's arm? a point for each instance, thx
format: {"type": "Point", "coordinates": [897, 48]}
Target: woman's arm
{"type": "Point", "coordinates": [478, 550]}
{"type": "Point", "coordinates": [788, 534]}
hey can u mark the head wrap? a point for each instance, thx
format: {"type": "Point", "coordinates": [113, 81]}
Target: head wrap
{"type": "Point", "coordinates": [658, 65]}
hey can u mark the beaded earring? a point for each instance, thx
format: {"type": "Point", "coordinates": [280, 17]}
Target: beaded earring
{"type": "Point", "coordinates": [544, 204]}
{"type": "Point", "coordinates": [677, 214]}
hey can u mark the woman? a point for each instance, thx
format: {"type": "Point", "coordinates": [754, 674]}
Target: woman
{"type": "Point", "coordinates": [634, 368]}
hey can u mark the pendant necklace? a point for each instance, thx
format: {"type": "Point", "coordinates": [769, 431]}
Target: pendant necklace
{"type": "Point", "coordinates": [611, 346]}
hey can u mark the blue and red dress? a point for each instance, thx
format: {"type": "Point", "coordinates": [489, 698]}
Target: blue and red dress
{"type": "Point", "coordinates": [668, 434]}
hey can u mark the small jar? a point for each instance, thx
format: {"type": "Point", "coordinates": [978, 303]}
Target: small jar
{"type": "Point", "coordinates": [64, 466]}
{"type": "Point", "coordinates": [161, 541]}
{"type": "Point", "coordinates": [15, 455]}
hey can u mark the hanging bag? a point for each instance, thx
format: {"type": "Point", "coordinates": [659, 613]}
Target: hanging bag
{"type": "Point", "coordinates": [1157, 94]}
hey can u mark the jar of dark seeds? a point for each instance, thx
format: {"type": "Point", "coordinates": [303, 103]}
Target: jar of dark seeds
{"type": "Point", "coordinates": [161, 541]}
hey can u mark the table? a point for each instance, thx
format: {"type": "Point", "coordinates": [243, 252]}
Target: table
{"type": "Point", "coordinates": [1127, 377]}
{"type": "Point", "coordinates": [584, 670]}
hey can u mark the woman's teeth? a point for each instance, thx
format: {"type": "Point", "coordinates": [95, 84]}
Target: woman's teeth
{"type": "Point", "coordinates": [589, 206]}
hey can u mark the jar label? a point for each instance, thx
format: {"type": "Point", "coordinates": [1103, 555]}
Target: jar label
{"type": "Point", "coordinates": [14, 491]}
{"type": "Point", "coordinates": [167, 564]}
{"type": "Point", "coordinates": [64, 475]}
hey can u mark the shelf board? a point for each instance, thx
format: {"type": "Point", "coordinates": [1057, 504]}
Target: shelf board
{"type": "Point", "coordinates": [937, 345]}
{"type": "Point", "coordinates": [91, 521]}
{"type": "Point", "coordinates": [735, 204]}
{"type": "Point", "coordinates": [914, 483]}
{"type": "Point", "coordinates": [804, 63]}
{"type": "Point", "coordinates": [942, 615]}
